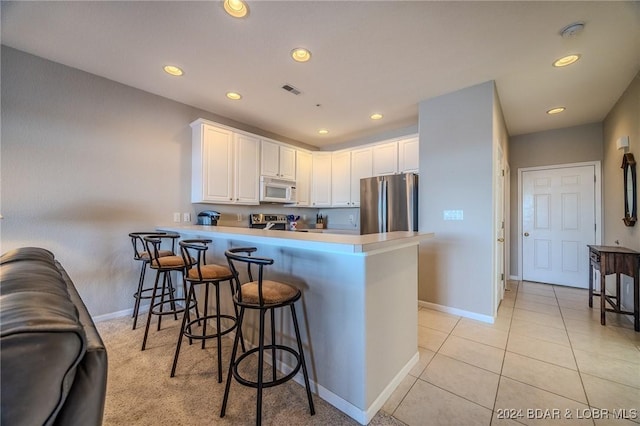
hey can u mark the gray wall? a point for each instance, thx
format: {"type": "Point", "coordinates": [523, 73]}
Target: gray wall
{"type": "Point", "coordinates": [84, 162]}
{"type": "Point", "coordinates": [456, 149]}
{"type": "Point", "coordinates": [622, 120]}
{"type": "Point", "coordinates": [561, 146]}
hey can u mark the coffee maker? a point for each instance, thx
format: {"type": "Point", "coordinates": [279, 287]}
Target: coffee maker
{"type": "Point", "coordinates": [208, 217]}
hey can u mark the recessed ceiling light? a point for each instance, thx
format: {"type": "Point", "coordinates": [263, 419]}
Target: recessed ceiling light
{"type": "Point", "coordinates": [376, 116]}
{"type": "Point", "coordinates": [300, 54]}
{"type": "Point", "coordinates": [234, 96]}
{"type": "Point", "coordinates": [556, 110]}
{"type": "Point", "coordinates": [323, 131]}
{"type": "Point", "coordinates": [566, 60]}
{"type": "Point", "coordinates": [173, 70]}
{"type": "Point", "coordinates": [236, 8]}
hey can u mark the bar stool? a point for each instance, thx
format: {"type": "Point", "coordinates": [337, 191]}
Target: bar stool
{"type": "Point", "coordinates": [198, 272]}
{"type": "Point", "coordinates": [164, 265]}
{"type": "Point", "coordinates": [140, 254]}
{"type": "Point", "coordinates": [264, 296]}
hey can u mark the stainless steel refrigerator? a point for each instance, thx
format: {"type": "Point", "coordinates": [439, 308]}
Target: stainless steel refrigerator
{"type": "Point", "coordinates": [389, 203]}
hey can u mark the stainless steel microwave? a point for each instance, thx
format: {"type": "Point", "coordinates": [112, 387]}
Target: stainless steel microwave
{"type": "Point", "coordinates": [277, 190]}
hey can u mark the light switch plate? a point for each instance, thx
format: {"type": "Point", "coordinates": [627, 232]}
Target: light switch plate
{"type": "Point", "coordinates": [453, 215]}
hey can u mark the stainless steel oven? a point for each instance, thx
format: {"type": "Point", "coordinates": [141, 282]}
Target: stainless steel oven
{"type": "Point", "coordinates": [268, 221]}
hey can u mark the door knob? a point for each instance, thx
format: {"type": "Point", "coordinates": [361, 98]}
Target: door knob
{"type": "Point", "coordinates": [526, 234]}
{"type": "Point", "coordinates": [501, 240]}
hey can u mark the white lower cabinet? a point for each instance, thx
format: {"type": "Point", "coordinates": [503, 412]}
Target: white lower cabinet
{"type": "Point", "coordinates": [321, 179]}
{"type": "Point", "coordinates": [225, 165]}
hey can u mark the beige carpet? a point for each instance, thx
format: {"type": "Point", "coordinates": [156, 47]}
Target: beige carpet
{"type": "Point", "coordinates": [140, 391]}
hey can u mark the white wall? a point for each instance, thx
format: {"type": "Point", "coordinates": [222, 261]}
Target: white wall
{"type": "Point", "coordinates": [622, 120]}
{"type": "Point", "coordinates": [456, 149]}
{"type": "Point", "coordinates": [84, 162]}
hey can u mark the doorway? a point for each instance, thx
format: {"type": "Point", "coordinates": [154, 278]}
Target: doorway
{"type": "Point", "coordinates": [559, 217]}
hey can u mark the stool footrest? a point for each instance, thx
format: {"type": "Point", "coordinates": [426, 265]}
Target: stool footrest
{"type": "Point", "coordinates": [150, 290]}
{"type": "Point", "coordinates": [209, 336]}
{"type": "Point", "coordinates": [266, 384]}
{"type": "Point", "coordinates": [155, 311]}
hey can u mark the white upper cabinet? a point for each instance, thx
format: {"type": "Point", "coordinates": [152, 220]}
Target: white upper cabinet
{"type": "Point", "coordinates": [225, 165]}
{"type": "Point", "coordinates": [341, 175]}
{"type": "Point", "coordinates": [385, 159]}
{"type": "Point", "coordinates": [408, 155]}
{"type": "Point", "coordinates": [247, 161]}
{"type": "Point", "coordinates": [303, 183]}
{"type": "Point", "coordinates": [270, 163]}
{"type": "Point", "coordinates": [278, 161]}
{"type": "Point", "coordinates": [321, 179]}
{"type": "Point", "coordinates": [361, 167]}
{"type": "Point", "coordinates": [287, 162]}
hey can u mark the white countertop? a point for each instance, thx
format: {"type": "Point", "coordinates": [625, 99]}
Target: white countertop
{"type": "Point", "coordinates": [324, 241]}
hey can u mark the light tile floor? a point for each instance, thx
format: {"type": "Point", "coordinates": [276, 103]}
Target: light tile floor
{"type": "Point", "coordinates": [545, 360]}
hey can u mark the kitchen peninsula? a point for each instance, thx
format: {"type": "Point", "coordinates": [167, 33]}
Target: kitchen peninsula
{"type": "Point", "coordinates": [359, 301]}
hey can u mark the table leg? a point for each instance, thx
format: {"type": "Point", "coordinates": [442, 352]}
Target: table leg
{"type": "Point", "coordinates": [602, 299]}
{"type": "Point", "coordinates": [636, 301]}
{"type": "Point", "coordinates": [618, 292]}
{"type": "Point", "coordinates": [590, 285]}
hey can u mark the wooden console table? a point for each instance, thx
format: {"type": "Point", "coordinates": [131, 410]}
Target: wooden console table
{"type": "Point", "coordinates": [615, 260]}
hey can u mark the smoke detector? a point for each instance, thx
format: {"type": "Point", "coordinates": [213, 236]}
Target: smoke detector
{"type": "Point", "coordinates": [572, 30]}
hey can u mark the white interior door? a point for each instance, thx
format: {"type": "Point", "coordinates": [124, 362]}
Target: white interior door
{"type": "Point", "coordinates": [558, 221]}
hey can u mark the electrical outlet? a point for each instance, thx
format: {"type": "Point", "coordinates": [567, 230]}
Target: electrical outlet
{"type": "Point", "coordinates": [350, 218]}
{"type": "Point", "coordinates": [239, 217]}
{"type": "Point", "coordinates": [186, 217]}
{"type": "Point", "coordinates": [176, 217]}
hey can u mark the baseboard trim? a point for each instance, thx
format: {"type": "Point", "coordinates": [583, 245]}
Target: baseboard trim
{"type": "Point", "coordinates": [120, 314]}
{"type": "Point", "coordinates": [361, 416]}
{"type": "Point", "coordinates": [455, 311]}
{"type": "Point", "coordinates": [514, 277]}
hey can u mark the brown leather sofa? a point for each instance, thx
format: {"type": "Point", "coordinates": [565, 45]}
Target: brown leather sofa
{"type": "Point", "coordinates": [53, 363]}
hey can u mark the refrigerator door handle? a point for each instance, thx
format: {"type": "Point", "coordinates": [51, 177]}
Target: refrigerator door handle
{"type": "Point", "coordinates": [383, 224]}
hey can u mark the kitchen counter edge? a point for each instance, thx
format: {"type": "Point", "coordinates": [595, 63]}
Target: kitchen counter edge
{"type": "Point", "coordinates": [307, 240]}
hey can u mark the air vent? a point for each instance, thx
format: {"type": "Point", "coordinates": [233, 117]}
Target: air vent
{"type": "Point", "coordinates": [290, 88]}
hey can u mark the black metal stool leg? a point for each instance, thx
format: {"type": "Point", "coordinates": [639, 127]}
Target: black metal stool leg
{"type": "Point", "coordinates": [273, 343]}
{"type": "Point", "coordinates": [260, 369]}
{"type": "Point", "coordinates": [187, 311]}
{"type": "Point", "coordinates": [153, 298]}
{"type": "Point", "coordinates": [218, 332]}
{"type": "Point", "coordinates": [164, 289]}
{"type": "Point", "coordinates": [185, 318]}
{"type": "Point", "coordinates": [232, 361]}
{"type": "Point", "coordinates": [302, 361]}
{"type": "Point", "coordinates": [172, 296]}
{"type": "Point", "coordinates": [138, 295]}
{"type": "Point", "coordinates": [238, 328]}
{"type": "Point", "coordinates": [205, 313]}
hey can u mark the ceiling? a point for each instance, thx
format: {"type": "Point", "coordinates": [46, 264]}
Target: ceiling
{"type": "Point", "coordinates": [372, 56]}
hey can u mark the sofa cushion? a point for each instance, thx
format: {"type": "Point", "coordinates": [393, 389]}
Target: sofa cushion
{"type": "Point", "coordinates": [42, 338]}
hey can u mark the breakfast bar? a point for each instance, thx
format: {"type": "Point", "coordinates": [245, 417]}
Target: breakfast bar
{"type": "Point", "coordinates": [359, 304]}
